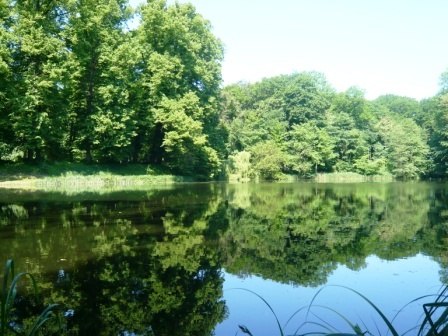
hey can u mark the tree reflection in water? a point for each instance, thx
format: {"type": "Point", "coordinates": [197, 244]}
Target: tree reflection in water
{"type": "Point", "coordinates": [151, 262]}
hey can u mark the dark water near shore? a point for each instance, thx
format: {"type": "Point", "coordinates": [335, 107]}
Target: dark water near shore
{"type": "Point", "coordinates": [167, 261]}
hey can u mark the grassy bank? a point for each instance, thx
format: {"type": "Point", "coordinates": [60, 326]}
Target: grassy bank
{"type": "Point", "coordinates": [81, 176]}
{"type": "Point", "coordinates": [78, 176]}
{"type": "Point", "coordinates": [351, 178]}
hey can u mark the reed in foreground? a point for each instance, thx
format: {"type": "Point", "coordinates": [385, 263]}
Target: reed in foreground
{"type": "Point", "coordinates": [8, 324]}
{"type": "Point", "coordinates": [433, 323]}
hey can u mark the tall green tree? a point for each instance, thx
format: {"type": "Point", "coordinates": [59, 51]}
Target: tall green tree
{"type": "Point", "coordinates": [180, 64]}
{"type": "Point", "coordinates": [401, 106]}
{"type": "Point", "coordinates": [37, 52]}
{"type": "Point", "coordinates": [353, 103]}
{"type": "Point", "coordinates": [349, 142]}
{"type": "Point", "coordinates": [301, 97]}
{"type": "Point", "coordinates": [115, 120]}
{"type": "Point", "coordinates": [406, 145]}
{"type": "Point", "coordinates": [94, 35]}
{"type": "Point", "coordinates": [185, 145]}
{"type": "Point", "coordinates": [310, 148]}
{"type": "Point", "coordinates": [268, 160]}
{"type": "Point", "coordinates": [439, 136]}
{"type": "Point", "coordinates": [6, 134]}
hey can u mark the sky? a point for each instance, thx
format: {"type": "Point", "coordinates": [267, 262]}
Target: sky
{"type": "Point", "coordinates": [381, 46]}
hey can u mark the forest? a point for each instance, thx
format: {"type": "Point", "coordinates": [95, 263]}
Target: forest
{"type": "Point", "coordinates": [81, 82]}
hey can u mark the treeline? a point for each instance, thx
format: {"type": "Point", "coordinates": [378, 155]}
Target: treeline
{"type": "Point", "coordinates": [297, 124]}
{"type": "Point", "coordinates": [79, 84]}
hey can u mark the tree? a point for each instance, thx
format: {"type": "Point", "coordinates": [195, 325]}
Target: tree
{"type": "Point", "coordinates": [353, 103]}
{"type": "Point", "coordinates": [6, 134]}
{"type": "Point", "coordinates": [267, 160]}
{"type": "Point", "coordinates": [309, 147]}
{"type": "Point", "coordinates": [93, 33]}
{"type": "Point", "coordinates": [185, 146]}
{"type": "Point", "coordinates": [239, 167]}
{"type": "Point", "coordinates": [180, 65]}
{"type": "Point", "coordinates": [401, 106]}
{"type": "Point", "coordinates": [349, 142]}
{"type": "Point", "coordinates": [301, 97]}
{"type": "Point", "coordinates": [115, 118]}
{"type": "Point", "coordinates": [37, 53]}
{"type": "Point", "coordinates": [439, 136]}
{"type": "Point", "coordinates": [443, 82]}
{"type": "Point", "coordinates": [407, 150]}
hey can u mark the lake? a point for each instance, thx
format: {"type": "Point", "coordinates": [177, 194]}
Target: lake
{"type": "Point", "coordinates": [202, 259]}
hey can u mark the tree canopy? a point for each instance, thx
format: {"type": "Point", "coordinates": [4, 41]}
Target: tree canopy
{"type": "Point", "coordinates": [79, 84]}
{"type": "Point", "coordinates": [318, 130]}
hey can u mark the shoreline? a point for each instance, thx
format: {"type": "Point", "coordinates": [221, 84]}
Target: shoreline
{"type": "Point", "coordinates": [88, 182]}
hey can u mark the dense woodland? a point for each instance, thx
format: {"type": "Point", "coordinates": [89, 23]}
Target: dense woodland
{"type": "Point", "coordinates": [78, 83]}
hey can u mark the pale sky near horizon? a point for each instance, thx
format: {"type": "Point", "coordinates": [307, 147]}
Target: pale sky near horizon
{"type": "Point", "coordinates": [382, 46]}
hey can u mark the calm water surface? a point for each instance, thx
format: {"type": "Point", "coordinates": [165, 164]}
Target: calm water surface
{"type": "Point", "coordinates": [178, 260]}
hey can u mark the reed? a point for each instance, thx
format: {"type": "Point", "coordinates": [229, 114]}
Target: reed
{"type": "Point", "coordinates": [77, 176]}
{"type": "Point", "coordinates": [8, 297]}
{"type": "Point", "coordinates": [434, 323]}
{"type": "Point", "coordinates": [349, 177]}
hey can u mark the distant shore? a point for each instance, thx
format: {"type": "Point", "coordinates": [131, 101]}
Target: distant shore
{"type": "Point", "coordinates": [82, 176]}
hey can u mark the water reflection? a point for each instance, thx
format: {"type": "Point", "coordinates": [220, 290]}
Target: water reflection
{"type": "Point", "coordinates": [150, 262]}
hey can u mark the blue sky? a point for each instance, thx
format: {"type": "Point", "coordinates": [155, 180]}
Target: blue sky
{"type": "Point", "coordinates": [382, 46]}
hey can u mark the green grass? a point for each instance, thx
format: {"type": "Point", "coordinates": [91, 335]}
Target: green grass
{"type": "Point", "coordinates": [14, 171]}
{"type": "Point", "coordinates": [349, 177]}
{"type": "Point", "coordinates": [73, 176]}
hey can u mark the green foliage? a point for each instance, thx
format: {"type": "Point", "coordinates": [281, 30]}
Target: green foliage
{"type": "Point", "coordinates": [8, 325]}
{"type": "Point", "coordinates": [184, 142]}
{"type": "Point", "coordinates": [326, 132]}
{"type": "Point", "coordinates": [353, 103]}
{"type": "Point", "coordinates": [439, 135]}
{"type": "Point", "coordinates": [309, 147]}
{"type": "Point", "coordinates": [239, 166]}
{"type": "Point", "coordinates": [302, 97]}
{"type": "Point", "coordinates": [180, 76]}
{"type": "Point", "coordinates": [407, 150]}
{"type": "Point", "coordinates": [77, 85]}
{"type": "Point", "coordinates": [401, 106]}
{"type": "Point", "coordinates": [37, 54]}
{"type": "Point", "coordinates": [267, 160]}
{"type": "Point", "coordinates": [444, 82]}
{"type": "Point", "coordinates": [367, 166]}
{"type": "Point", "coordinates": [349, 142]}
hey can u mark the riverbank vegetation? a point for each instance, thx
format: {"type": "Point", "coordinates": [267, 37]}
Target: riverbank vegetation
{"type": "Point", "coordinates": [80, 83]}
{"type": "Point", "coordinates": [80, 177]}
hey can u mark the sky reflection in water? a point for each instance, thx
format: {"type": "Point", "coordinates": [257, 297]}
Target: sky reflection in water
{"type": "Point", "coordinates": [390, 285]}
{"type": "Point", "coordinates": [136, 261]}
